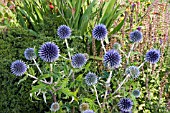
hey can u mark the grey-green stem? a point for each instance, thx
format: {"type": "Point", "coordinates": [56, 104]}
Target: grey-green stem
{"type": "Point", "coordinates": [120, 85]}
{"type": "Point", "coordinates": [103, 46]}
{"type": "Point", "coordinates": [142, 64]}
{"type": "Point", "coordinates": [68, 49]}
{"type": "Point", "coordinates": [97, 97]}
{"type": "Point", "coordinates": [37, 79]}
{"type": "Point", "coordinates": [123, 52]}
{"type": "Point", "coordinates": [107, 86]}
{"type": "Point", "coordinates": [51, 70]}
{"type": "Point", "coordinates": [37, 66]}
{"type": "Point", "coordinates": [131, 49]}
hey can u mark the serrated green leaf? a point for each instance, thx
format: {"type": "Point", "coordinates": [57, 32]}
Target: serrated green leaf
{"type": "Point", "coordinates": [23, 79]}
{"type": "Point", "coordinates": [67, 92]}
{"type": "Point", "coordinates": [33, 95]}
{"type": "Point", "coordinates": [44, 76]}
{"type": "Point", "coordinates": [31, 71]}
{"type": "Point", "coordinates": [37, 87]}
{"type": "Point", "coordinates": [87, 67]}
{"type": "Point", "coordinates": [64, 82]}
{"type": "Point", "coordinates": [79, 78]}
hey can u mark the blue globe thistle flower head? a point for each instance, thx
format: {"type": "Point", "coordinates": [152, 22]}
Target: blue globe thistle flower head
{"type": "Point", "coordinates": [89, 111]}
{"type": "Point", "coordinates": [112, 59]}
{"type": "Point", "coordinates": [91, 79]}
{"type": "Point", "coordinates": [18, 68]}
{"type": "Point", "coordinates": [136, 93]}
{"type": "Point", "coordinates": [99, 32]}
{"type": "Point", "coordinates": [64, 32]}
{"type": "Point", "coordinates": [49, 52]}
{"type": "Point", "coordinates": [78, 60]}
{"type": "Point", "coordinates": [125, 104]}
{"type": "Point", "coordinates": [55, 106]}
{"type": "Point", "coordinates": [152, 56]}
{"type": "Point", "coordinates": [125, 111]}
{"type": "Point", "coordinates": [29, 54]}
{"type": "Point", "coordinates": [133, 71]}
{"type": "Point", "coordinates": [136, 36]}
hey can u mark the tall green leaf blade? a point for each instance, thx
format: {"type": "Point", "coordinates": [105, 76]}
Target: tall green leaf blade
{"type": "Point", "coordinates": [21, 20]}
{"type": "Point", "coordinates": [77, 14]}
{"type": "Point", "coordinates": [86, 16]}
{"type": "Point", "coordinates": [110, 17]}
{"type": "Point", "coordinates": [39, 14]}
{"type": "Point", "coordinates": [118, 27]}
{"type": "Point", "coordinates": [108, 8]}
{"type": "Point", "coordinates": [114, 17]}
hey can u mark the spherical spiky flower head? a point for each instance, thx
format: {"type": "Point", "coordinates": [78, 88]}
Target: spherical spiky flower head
{"type": "Point", "coordinates": [89, 111]}
{"type": "Point", "coordinates": [133, 71]}
{"type": "Point", "coordinates": [116, 46]}
{"type": "Point", "coordinates": [152, 56]}
{"type": "Point", "coordinates": [112, 59]}
{"type": "Point", "coordinates": [84, 106]}
{"type": "Point", "coordinates": [55, 107]}
{"type": "Point", "coordinates": [78, 60]}
{"type": "Point", "coordinates": [91, 79]}
{"type": "Point", "coordinates": [136, 36]}
{"type": "Point", "coordinates": [136, 93]}
{"type": "Point", "coordinates": [99, 32]}
{"type": "Point", "coordinates": [125, 104]}
{"type": "Point", "coordinates": [125, 111]}
{"type": "Point", "coordinates": [29, 54]}
{"type": "Point", "coordinates": [64, 31]}
{"type": "Point", "coordinates": [18, 68]}
{"type": "Point", "coordinates": [49, 52]}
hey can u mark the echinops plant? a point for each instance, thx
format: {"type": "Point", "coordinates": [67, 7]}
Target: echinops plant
{"type": "Point", "coordinates": [50, 53]}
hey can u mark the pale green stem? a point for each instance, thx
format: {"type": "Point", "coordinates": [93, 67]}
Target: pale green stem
{"type": "Point", "coordinates": [64, 57]}
{"type": "Point", "coordinates": [131, 49]}
{"type": "Point", "coordinates": [68, 49]}
{"type": "Point", "coordinates": [51, 70]}
{"type": "Point", "coordinates": [109, 78]}
{"type": "Point", "coordinates": [107, 85]}
{"type": "Point", "coordinates": [103, 46]}
{"type": "Point", "coordinates": [39, 80]}
{"type": "Point", "coordinates": [37, 66]}
{"type": "Point", "coordinates": [123, 52]}
{"type": "Point", "coordinates": [95, 58]}
{"type": "Point", "coordinates": [97, 97]}
{"type": "Point", "coordinates": [120, 85]}
{"type": "Point", "coordinates": [142, 64]}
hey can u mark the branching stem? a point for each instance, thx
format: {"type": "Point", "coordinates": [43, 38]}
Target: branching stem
{"type": "Point", "coordinates": [103, 46]}
{"type": "Point", "coordinates": [39, 80]}
{"type": "Point", "coordinates": [37, 66]}
{"type": "Point", "coordinates": [142, 64]}
{"type": "Point", "coordinates": [68, 49]}
{"type": "Point", "coordinates": [131, 49]}
{"type": "Point", "coordinates": [97, 96]}
{"type": "Point", "coordinates": [120, 85]}
{"type": "Point", "coordinates": [107, 86]}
